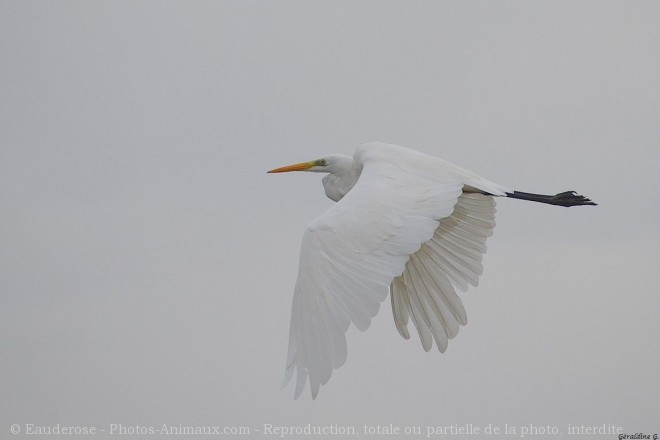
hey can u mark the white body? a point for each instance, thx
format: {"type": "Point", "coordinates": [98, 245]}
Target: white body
{"type": "Point", "coordinates": [405, 222]}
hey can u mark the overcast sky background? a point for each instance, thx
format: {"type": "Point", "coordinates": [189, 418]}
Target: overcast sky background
{"type": "Point", "coordinates": [147, 260]}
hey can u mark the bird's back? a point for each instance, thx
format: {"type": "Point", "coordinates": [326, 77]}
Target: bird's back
{"type": "Point", "coordinates": [424, 165]}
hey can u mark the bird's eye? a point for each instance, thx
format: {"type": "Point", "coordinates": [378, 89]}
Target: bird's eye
{"type": "Point", "coordinates": [323, 162]}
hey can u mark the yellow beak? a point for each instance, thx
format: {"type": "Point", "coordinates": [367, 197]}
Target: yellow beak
{"type": "Point", "coordinates": [295, 167]}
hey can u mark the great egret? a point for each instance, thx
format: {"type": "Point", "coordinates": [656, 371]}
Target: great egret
{"type": "Point", "coordinates": [405, 223]}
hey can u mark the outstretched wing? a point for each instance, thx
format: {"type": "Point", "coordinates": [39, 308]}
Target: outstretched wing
{"type": "Point", "coordinates": [352, 253]}
{"type": "Point", "coordinates": [426, 291]}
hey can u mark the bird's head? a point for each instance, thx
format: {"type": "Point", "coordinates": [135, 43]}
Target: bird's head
{"type": "Point", "coordinates": [327, 164]}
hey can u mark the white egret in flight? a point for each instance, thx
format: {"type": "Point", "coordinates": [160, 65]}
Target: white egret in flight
{"type": "Point", "coordinates": [405, 223]}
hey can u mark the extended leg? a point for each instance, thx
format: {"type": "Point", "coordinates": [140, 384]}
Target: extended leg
{"type": "Point", "coordinates": [567, 198]}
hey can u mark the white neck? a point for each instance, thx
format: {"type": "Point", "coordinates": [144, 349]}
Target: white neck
{"type": "Point", "coordinates": [342, 177]}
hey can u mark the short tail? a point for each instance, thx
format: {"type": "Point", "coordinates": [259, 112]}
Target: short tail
{"type": "Point", "coordinates": [568, 198]}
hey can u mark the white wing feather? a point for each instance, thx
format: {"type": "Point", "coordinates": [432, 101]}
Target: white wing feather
{"type": "Point", "coordinates": [452, 258]}
{"type": "Point", "coordinates": [353, 252]}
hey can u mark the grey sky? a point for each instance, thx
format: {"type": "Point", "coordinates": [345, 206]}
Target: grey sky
{"type": "Point", "coordinates": [148, 261]}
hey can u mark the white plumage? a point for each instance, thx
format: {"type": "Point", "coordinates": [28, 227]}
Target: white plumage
{"type": "Point", "coordinates": [406, 223]}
